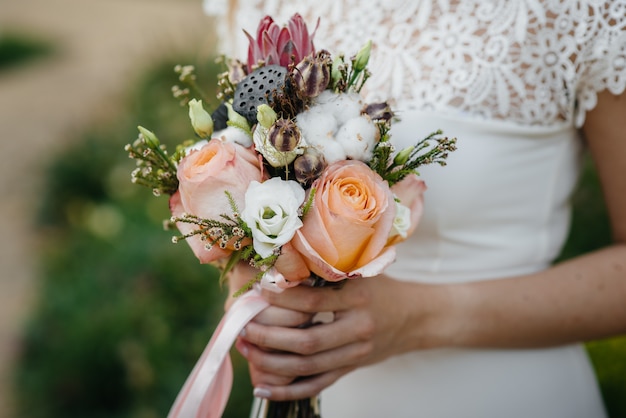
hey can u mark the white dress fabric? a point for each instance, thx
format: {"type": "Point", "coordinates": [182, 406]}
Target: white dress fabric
{"type": "Point", "coordinates": [512, 80]}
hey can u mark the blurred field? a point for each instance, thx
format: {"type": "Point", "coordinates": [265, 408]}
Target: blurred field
{"type": "Point", "coordinates": [98, 49]}
{"type": "Point", "coordinates": [104, 317]}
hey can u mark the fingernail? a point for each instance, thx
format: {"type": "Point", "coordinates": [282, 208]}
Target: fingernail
{"type": "Point", "coordinates": [242, 333]}
{"type": "Point", "coordinates": [242, 348]}
{"type": "Point", "coordinates": [262, 393]}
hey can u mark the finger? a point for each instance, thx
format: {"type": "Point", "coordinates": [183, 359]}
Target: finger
{"type": "Point", "coordinates": [344, 330]}
{"type": "Point", "coordinates": [307, 299]}
{"type": "Point", "coordinates": [258, 376]}
{"type": "Point", "coordinates": [294, 365]}
{"type": "Point", "coordinates": [282, 317]}
{"type": "Point", "coordinates": [351, 293]}
{"type": "Point", "coordinates": [300, 389]}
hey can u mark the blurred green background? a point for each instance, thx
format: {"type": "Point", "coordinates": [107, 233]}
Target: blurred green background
{"type": "Point", "coordinates": [122, 313]}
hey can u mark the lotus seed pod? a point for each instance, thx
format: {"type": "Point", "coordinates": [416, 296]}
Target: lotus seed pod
{"type": "Point", "coordinates": [258, 88]}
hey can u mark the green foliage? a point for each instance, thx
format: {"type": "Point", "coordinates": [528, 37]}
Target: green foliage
{"type": "Point", "coordinates": [591, 231]}
{"type": "Point", "coordinates": [123, 313]}
{"type": "Point", "coordinates": [609, 360]}
{"type": "Point", "coordinates": [590, 223]}
{"type": "Point", "coordinates": [17, 48]}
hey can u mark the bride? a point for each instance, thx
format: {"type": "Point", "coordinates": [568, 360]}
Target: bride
{"type": "Point", "coordinates": [473, 319]}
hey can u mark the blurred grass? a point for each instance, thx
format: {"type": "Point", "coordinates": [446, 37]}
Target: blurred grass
{"type": "Point", "coordinates": [124, 314]}
{"type": "Point", "coordinates": [591, 231]}
{"type": "Point", "coordinates": [19, 48]}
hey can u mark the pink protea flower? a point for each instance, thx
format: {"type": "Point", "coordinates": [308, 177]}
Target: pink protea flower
{"type": "Point", "coordinates": [276, 45]}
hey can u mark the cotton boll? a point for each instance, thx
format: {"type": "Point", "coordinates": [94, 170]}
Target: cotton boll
{"type": "Point", "coordinates": [357, 138]}
{"type": "Point", "coordinates": [343, 106]}
{"type": "Point", "coordinates": [316, 127]}
{"type": "Point", "coordinates": [332, 151]}
{"type": "Point", "coordinates": [233, 134]}
{"type": "Point", "coordinates": [324, 97]}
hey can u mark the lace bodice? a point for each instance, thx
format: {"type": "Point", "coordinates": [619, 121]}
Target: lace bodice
{"type": "Point", "coordinates": [531, 62]}
{"type": "Point", "coordinates": [511, 79]}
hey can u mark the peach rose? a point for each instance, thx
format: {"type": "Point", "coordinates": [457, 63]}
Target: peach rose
{"type": "Point", "coordinates": [204, 176]}
{"type": "Point", "coordinates": [347, 229]}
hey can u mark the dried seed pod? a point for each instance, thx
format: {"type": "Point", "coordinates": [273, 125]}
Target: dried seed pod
{"type": "Point", "coordinates": [284, 135]}
{"type": "Point", "coordinates": [309, 166]}
{"type": "Point", "coordinates": [312, 75]}
{"type": "Point", "coordinates": [378, 111]}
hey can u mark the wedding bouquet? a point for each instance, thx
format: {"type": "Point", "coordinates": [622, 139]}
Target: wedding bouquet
{"type": "Point", "coordinates": [293, 173]}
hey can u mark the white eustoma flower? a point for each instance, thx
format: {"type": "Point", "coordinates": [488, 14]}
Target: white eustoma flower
{"type": "Point", "coordinates": [402, 221]}
{"type": "Point", "coordinates": [201, 120]}
{"type": "Point", "coordinates": [271, 212]}
{"type": "Point", "coordinates": [265, 115]}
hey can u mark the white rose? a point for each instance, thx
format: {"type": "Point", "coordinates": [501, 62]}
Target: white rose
{"type": "Point", "coordinates": [271, 212]}
{"type": "Point", "coordinates": [402, 221]}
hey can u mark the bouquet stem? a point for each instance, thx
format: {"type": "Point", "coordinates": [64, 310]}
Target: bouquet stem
{"type": "Point", "coordinates": [301, 408]}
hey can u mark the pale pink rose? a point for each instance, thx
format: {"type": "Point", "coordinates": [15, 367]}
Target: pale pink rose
{"type": "Point", "coordinates": [204, 176]}
{"type": "Point", "coordinates": [346, 230]}
{"type": "Point", "coordinates": [291, 264]}
{"type": "Point", "coordinates": [410, 192]}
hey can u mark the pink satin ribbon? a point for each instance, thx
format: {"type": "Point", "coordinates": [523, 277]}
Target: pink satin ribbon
{"type": "Point", "coordinates": [207, 389]}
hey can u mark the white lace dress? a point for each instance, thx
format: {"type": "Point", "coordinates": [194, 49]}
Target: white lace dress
{"type": "Point", "coordinates": [512, 80]}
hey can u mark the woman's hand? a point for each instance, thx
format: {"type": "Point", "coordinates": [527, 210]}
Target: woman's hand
{"type": "Point", "coordinates": [373, 320]}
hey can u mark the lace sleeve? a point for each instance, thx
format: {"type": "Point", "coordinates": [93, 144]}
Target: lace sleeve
{"type": "Point", "coordinates": [603, 58]}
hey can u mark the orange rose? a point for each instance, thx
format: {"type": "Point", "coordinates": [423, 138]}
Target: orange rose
{"type": "Point", "coordinates": [346, 231]}
{"type": "Point", "coordinates": [204, 176]}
